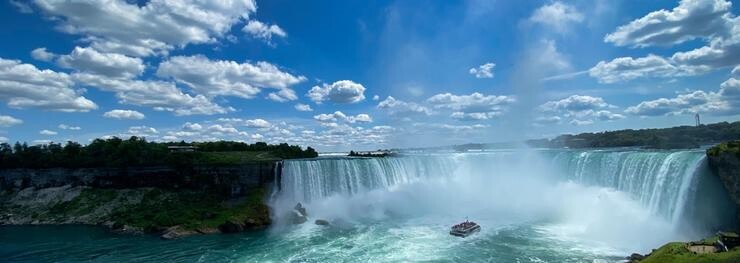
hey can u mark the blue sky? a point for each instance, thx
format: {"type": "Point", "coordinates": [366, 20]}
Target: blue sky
{"type": "Point", "coordinates": [340, 75]}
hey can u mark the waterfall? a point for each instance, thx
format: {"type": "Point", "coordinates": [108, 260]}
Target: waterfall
{"type": "Point", "coordinates": [663, 182]}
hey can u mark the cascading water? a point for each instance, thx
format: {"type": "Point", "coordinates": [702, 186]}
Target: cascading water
{"type": "Point", "coordinates": [594, 195]}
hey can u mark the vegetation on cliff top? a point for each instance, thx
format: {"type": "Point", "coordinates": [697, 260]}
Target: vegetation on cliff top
{"type": "Point", "coordinates": [680, 137]}
{"type": "Point", "coordinates": [727, 147]}
{"type": "Point", "coordinates": [136, 151]}
{"type": "Point", "coordinates": [678, 252]}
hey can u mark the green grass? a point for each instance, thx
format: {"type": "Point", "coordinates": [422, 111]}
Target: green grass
{"type": "Point", "coordinates": [676, 252]}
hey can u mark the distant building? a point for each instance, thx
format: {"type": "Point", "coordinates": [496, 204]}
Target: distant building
{"type": "Point", "coordinates": [182, 149]}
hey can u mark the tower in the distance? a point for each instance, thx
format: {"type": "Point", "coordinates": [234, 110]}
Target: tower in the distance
{"type": "Point", "coordinates": [698, 120]}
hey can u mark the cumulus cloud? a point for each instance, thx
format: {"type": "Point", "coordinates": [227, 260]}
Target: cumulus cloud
{"type": "Point", "coordinates": [726, 101]}
{"type": "Point", "coordinates": [25, 86]}
{"type": "Point", "coordinates": [583, 109]}
{"type": "Point", "coordinates": [8, 121]}
{"type": "Point", "coordinates": [42, 54]}
{"type": "Point", "coordinates": [155, 27]}
{"type": "Point", "coordinates": [399, 107]}
{"type": "Point", "coordinates": [263, 31]}
{"type": "Point", "coordinates": [284, 95]}
{"type": "Point", "coordinates": [47, 132]}
{"type": "Point", "coordinates": [736, 72]}
{"type": "Point", "coordinates": [253, 123]}
{"type": "Point", "coordinates": [484, 71]}
{"type": "Point", "coordinates": [303, 107]}
{"type": "Point", "coordinates": [124, 115]}
{"type": "Point", "coordinates": [160, 95]}
{"type": "Point", "coordinates": [69, 127]}
{"type": "Point", "coordinates": [628, 68]}
{"type": "Point", "coordinates": [343, 91]}
{"type": "Point", "coordinates": [339, 116]}
{"type": "Point", "coordinates": [557, 15]}
{"type": "Point", "coordinates": [229, 78]}
{"type": "Point", "coordinates": [106, 64]}
{"type": "Point", "coordinates": [691, 19]}
{"type": "Point", "coordinates": [708, 20]}
{"type": "Point", "coordinates": [575, 103]}
{"type": "Point", "coordinates": [475, 102]}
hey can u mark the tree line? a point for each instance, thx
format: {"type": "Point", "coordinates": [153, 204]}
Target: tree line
{"type": "Point", "coordinates": [134, 151]}
{"type": "Point", "coordinates": [681, 137]}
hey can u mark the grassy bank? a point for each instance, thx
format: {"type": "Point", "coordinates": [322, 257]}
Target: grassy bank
{"type": "Point", "coordinates": [678, 252]}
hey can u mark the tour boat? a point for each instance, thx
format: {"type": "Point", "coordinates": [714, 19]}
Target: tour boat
{"type": "Point", "coordinates": [465, 229]}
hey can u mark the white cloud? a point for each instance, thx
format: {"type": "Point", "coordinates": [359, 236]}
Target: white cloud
{"type": "Point", "coordinates": [69, 127]}
{"type": "Point", "coordinates": [284, 95]}
{"type": "Point", "coordinates": [263, 31]}
{"type": "Point", "coordinates": [160, 95]}
{"type": "Point", "coordinates": [475, 116]}
{"type": "Point", "coordinates": [583, 109]}
{"type": "Point", "coordinates": [8, 121]}
{"type": "Point", "coordinates": [736, 72]}
{"type": "Point", "coordinates": [691, 19]}
{"type": "Point", "coordinates": [303, 107]}
{"type": "Point", "coordinates": [3, 139]}
{"type": "Point", "coordinates": [47, 132]}
{"type": "Point", "coordinates": [557, 15]}
{"type": "Point", "coordinates": [25, 86]}
{"type": "Point", "coordinates": [257, 123]}
{"type": "Point", "coordinates": [628, 68]}
{"type": "Point", "coordinates": [581, 122]}
{"type": "Point", "coordinates": [42, 54]}
{"type": "Point", "coordinates": [339, 116]}
{"type": "Point", "coordinates": [107, 64]}
{"type": "Point", "coordinates": [376, 98]}
{"type": "Point", "coordinates": [157, 26]}
{"type": "Point", "coordinates": [343, 91]}
{"type": "Point", "coordinates": [124, 115]}
{"type": "Point", "coordinates": [575, 103]}
{"type": "Point", "coordinates": [475, 102]}
{"type": "Point", "coordinates": [726, 101]}
{"type": "Point", "coordinates": [708, 20]}
{"type": "Point", "coordinates": [399, 107]}
{"type": "Point", "coordinates": [483, 71]}
{"type": "Point", "coordinates": [228, 78]}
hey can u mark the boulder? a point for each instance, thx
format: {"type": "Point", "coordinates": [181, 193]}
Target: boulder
{"type": "Point", "coordinates": [635, 257]}
{"type": "Point", "coordinates": [176, 232]}
{"type": "Point", "coordinates": [322, 222]}
{"type": "Point", "coordinates": [299, 218]}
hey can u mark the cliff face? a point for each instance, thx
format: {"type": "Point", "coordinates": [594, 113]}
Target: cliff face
{"type": "Point", "coordinates": [171, 202]}
{"type": "Point", "coordinates": [724, 160]}
{"type": "Point", "coordinates": [231, 180]}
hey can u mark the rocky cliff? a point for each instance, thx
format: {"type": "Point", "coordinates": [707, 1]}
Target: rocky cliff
{"type": "Point", "coordinates": [168, 201]}
{"type": "Point", "coordinates": [724, 160]}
